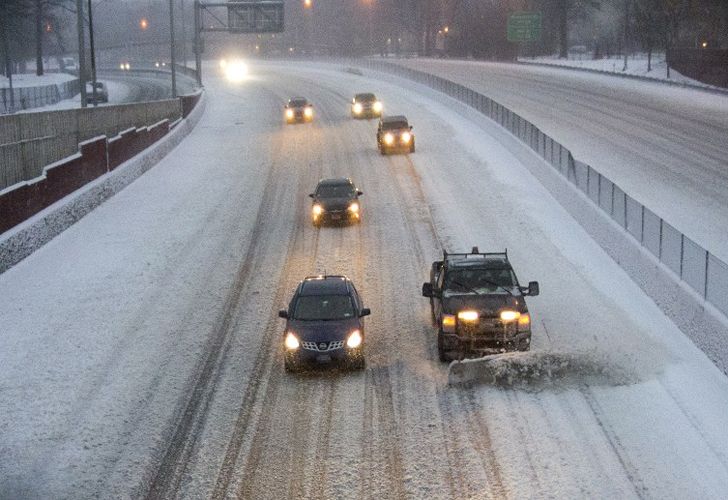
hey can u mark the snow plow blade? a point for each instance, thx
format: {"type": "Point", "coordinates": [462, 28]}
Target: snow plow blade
{"type": "Point", "coordinates": [536, 369]}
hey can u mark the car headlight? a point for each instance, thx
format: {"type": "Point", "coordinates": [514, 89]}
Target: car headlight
{"type": "Point", "coordinates": [317, 210]}
{"type": "Point", "coordinates": [388, 138]}
{"type": "Point", "coordinates": [223, 63]}
{"type": "Point", "coordinates": [308, 112]}
{"type": "Point", "coordinates": [127, 66]}
{"type": "Point", "coordinates": [508, 316]}
{"type": "Point", "coordinates": [354, 207]}
{"type": "Point", "coordinates": [292, 342]}
{"type": "Point", "coordinates": [406, 136]}
{"type": "Point", "coordinates": [448, 323]}
{"type": "Point", "coordinates": [289, 113]}
{"type": "Point", "coordinates": [354, 339]}
{"type": "Point", "coordinates": [357, 108]}
{"type": "Point", "coordinates": [377, 106]}
{"type": "Point", "coordinates": [468, 316]}
{"type": "Point", "coordinates": [236, 71]}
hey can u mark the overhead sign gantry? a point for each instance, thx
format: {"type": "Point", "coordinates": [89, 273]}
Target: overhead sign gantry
{"type": "Point", "coordinates": [243, 16]}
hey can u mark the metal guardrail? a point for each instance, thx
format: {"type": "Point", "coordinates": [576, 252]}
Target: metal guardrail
{"type": "Point", "coordinates": [703, 272]}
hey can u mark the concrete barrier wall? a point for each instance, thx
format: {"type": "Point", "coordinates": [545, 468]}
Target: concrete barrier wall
{"type": "Point", "coordinates": [30, 141]}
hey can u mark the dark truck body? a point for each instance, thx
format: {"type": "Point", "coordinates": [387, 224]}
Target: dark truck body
{"type": "Point", "coordinates": [368, 106]}
{"type": "Point", "coordinates": [478, 305]}
{"type": "Point", "coordinates": [298, 110]}
{"type": "Point", "coordinates": [394, 134]}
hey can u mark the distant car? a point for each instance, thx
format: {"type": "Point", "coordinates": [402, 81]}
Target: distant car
{"type": "Point", "coordinates": [69, 65]}
{"type": "Point", "coordinates": [335, 200]}
{"type": "Point", "coordinates": [298, 110]}
{"type": "Point", "coordinates": [102, 93]}
{"type": "Point", "coordinates": [324, 324]}
{"type": "Point", "coordinates": [478, 305]}
{"type": "Point", "coordinates": [366, 106]}
{"type": "Point", "coordinates": [394, 134]}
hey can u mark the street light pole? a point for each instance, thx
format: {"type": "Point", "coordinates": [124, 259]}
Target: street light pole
{"type": "Point", "coordinates": [93, 54]}
{"type": "Point", "coordinates": [172, 47]}
{"type": "Point", "coordinates": [81, 51]}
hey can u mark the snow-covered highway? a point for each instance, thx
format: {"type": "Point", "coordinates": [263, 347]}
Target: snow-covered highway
{"type": "Point", "coordinates": [665, 146]}
{"type": "Point", "coordinates": [141, 351]}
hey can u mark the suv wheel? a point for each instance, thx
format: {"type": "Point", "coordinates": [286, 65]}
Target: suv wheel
{"type": "Point", "coordinates": [441, 353]}
{"type": "Point", "coordinates": [358, 364]}
{"type": "Point", "coordinates": [290, 366]}
{"type": "Point", "coordinates": [412, 146]}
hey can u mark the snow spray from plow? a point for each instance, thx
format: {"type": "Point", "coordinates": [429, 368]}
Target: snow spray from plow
{"type": "Point", "coordinates": [540, 370]}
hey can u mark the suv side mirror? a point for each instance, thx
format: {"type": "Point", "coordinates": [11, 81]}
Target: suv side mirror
{"type": "Point", "coordinates": [428, 290]}
{"type": "Point", "coordinates": [311, 195]}
{"type": "Point", "coordinates": [359, 193]}
{"type": "Point", "coordinates": [410, 127]}
{"type": "Point", "coordinates": [283, 314]}
{"type": "Point", "coordinates": [365, 311]}
{"type": "Point", "coordinates": [533, 289]}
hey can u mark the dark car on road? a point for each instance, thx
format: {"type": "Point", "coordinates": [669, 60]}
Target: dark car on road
{"type": "Point", "coordinates": [102, 93]}
{"type": "Point", "coordinates": [324, 324]}
{"type": "Point", "coordinates": [394, 134]}
{"type": "Point", "coordinates": [478, 305]}
{"type": "Point", "coordinates": [298, 110]}
{"type": "Point", "coordinates": [335, 201]}
{"type": "Point", "coordinates": [366, 106]}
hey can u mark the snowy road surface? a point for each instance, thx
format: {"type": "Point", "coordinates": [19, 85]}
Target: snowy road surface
{"type": "Point", "coordinates": [665, 146]}
{"type": "Point", "coordinates": [141, 353]}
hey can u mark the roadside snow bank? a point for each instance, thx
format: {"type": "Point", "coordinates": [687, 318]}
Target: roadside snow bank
{"type": "Point", "coordinates": [21, 241]}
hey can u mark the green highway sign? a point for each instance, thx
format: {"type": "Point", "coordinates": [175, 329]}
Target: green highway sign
{"type": "Point", "coordinates": [524, 27]}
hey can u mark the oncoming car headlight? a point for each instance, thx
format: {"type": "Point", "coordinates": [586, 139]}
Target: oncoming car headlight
{"type": "Point", "coordinates": [468, 316]}
{"type": "Point", "coordinates": [388, 138]}
{"type": "Point", "coordinates": [354, 339]}
{"type": "Point", "coordinates": [524, 321]}
{"type": "Point", "coordinates": [308, 112]}
{"type": "Point", "coordinates": [508, 316]}
{"type": "Point", "coordinates": [289, 113]}
{"type": "Point", "coordinates": [448, 323]}
{"type": "Point", "coordinates": [354, 207]}
{"type": "Point", "coordinates": [357, 108]}
{"type": "Point", "coordinates": [236, 71]}
{"type": "Point", "coordinates": [406, 136]}
{"type": "Point", "coordinates": [292, 342]}
{"type": "Point", "coordinates": [317, 210]}
{"type": "Point", "coordinates": [377, 107]}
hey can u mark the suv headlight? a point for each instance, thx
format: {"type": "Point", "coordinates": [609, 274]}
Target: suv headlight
{"type": "Point", "coordinates": [524, 321]}
{"type": "Point", "coordinates": [388, 138]}
{"type": "Point", "coordinates": [308, 112]}
{"type": "Point", "coordinates": [317, 210]}
{"type": "Point", "coordinates": [357, 108]}
{"type": "Point", "coordinates": [289, 113]}
{"type": "Point", "coordinates": [354, 339]}
{"type": "Point", "coordinates": [508, 316]}
{"type": "Point", "coordinates": [468, 316]}
{"type": "Point", "coordinates": [354, 208]}
{"type": "Point", "coordinates": [406, 136]}
{"type": "Point", "coordinates": [377, 106]}
{"type": "Point", "coordinates": [292, 342]}
{"type": "Point", "coordinates": [448, 323]}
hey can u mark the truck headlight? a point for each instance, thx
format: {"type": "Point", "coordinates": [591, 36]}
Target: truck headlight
{"type": "Point", "coordinates": [354, 339]}
{"type": "Point", "coordinates": [354, 208]}
{"type": "Point", "coordinates": [468, 316]}
{"type": "Point", "coordinates": [524, 321]}
{"type": "Point", "coordinates": [448, 323]}
{"type": "Point", "coordinates": [377, 107]}
{"type": "Point", "coordinates": [289, 114]}
{"type": "Point", "coordinates": [308, 112]}
{"type": "Point", "coordinates": [508, 316]}
{"type": "Point", "coordinates": [357, 108]}
{"type": "Point", "coordinates": [317, 210]}
{"type": "Point", "coordinates": [388, 138]}
{"type": "Point", "coordinates": [406, 136]}
{"type": "Point", "coordinates": [292, 342]}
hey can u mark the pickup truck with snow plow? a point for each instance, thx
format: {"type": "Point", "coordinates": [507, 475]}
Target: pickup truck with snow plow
{"type": "Point", "coordinates": [478, 306]}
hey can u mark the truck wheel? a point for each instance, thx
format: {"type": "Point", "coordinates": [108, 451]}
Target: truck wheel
{"type": "Point", "coordinates": [358, 363]}
{"type": "Point", "coordinates": [441, 353]}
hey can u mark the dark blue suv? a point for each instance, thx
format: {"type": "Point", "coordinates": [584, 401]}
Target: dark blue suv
{"type": "Point", "coordinates": [324, 324]}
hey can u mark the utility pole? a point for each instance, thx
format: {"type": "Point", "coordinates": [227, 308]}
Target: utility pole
{"type": "Point", "coordinates": [172, 47]}
{"type": "Point", "coordinates": [93, 53]}
{"type": "Point", "coordinates": [184, 33]}
{"type": "Point", "coordinates": [198, 43]}
{"type": "Point", "coordinates": [81, 52]}
{"type": "Point", "coordinates": [6, 51]}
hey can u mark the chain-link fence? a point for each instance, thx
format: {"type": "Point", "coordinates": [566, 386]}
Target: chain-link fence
{"type": "Point", "coordinates": [701, 271]}
{"type": "Point", "coordinates": [21, 98]}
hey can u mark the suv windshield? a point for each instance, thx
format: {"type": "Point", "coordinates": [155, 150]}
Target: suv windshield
{"type": "Point", "coordinates": [468, 281]}
{"type": "Point", "coordinates": [394, 125]}
{"type": "Point", "coordinates": [298, 103]}
{"type": "Point", "coordinates": [335, 191]}
{"type": "Point", "coordinates": [323, 307]}
{"type": "Point", "coordinates": [365, 98]}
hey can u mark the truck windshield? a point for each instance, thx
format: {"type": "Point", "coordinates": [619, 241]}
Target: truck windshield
{"type": "Point", "coordinates": [335, 191]}
{"type": "Point", "coordinates": [323, 307]}
{"type": "Point", "coordinates": [481, 281]}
